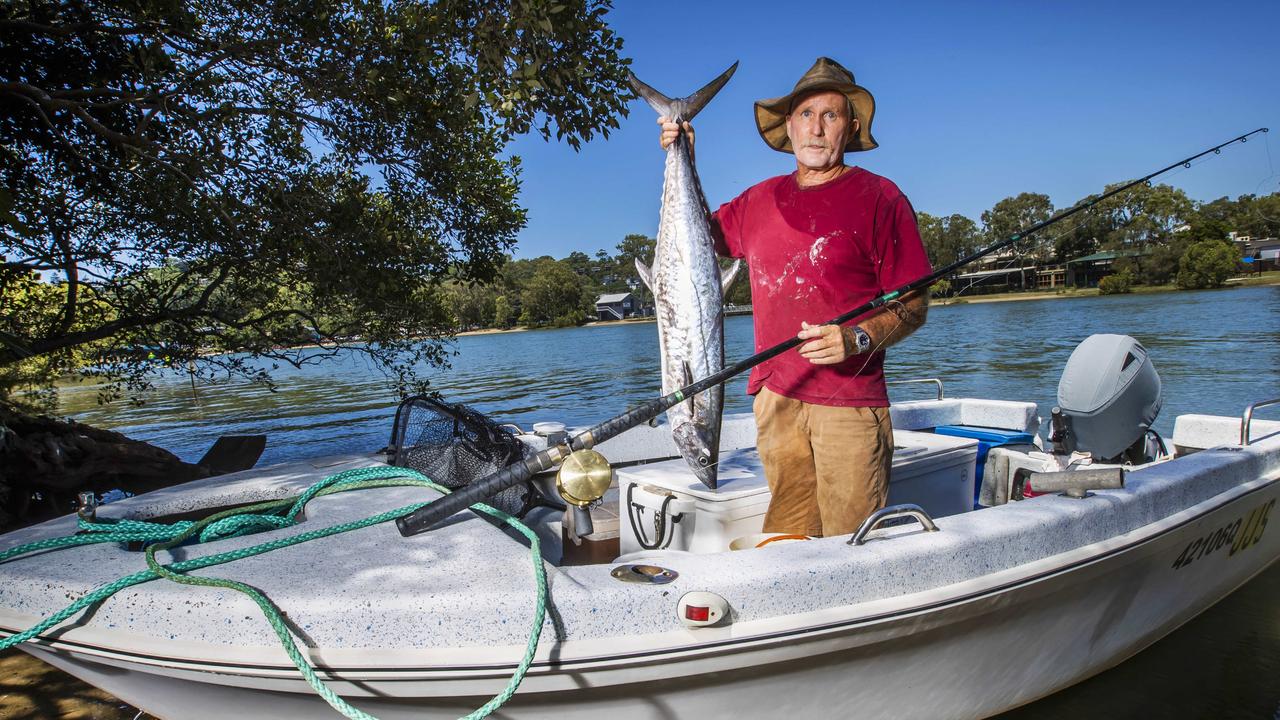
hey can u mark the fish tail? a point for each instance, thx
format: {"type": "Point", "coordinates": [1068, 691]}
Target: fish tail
{"type": "Point", "coordinates": [681, 109]}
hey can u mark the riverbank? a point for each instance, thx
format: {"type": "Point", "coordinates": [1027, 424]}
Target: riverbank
{"type": "Point", "coordinates": [1267, 278]}
{"type": "Point", "coordinates": [522, 328]}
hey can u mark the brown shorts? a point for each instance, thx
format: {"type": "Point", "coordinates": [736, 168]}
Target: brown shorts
{"type": "Point", "coordinates": [827, 467]}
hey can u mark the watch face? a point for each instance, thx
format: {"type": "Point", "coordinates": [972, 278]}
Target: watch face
{"type": "Point", "coordinates": [864, 340]}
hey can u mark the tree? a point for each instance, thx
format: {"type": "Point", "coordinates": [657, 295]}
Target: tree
{"type": "Point", "coordinates": [1116, 283]}
{"type": "Point", "coordinates": [1160, 265]}
{"type": "Point", "coordinates": [1207, 264]}
{"type": "Point", "coordinates": [218, 174]}
{"type": "Point", "coordinates": [1085, 233]}
{"type": "Point", "coordinates": [1145, 214]}
{"type": "Point", "coordinates": [1162, 261]}
{"type": "Point", "coordinates": [473, 304]}
{"type": "Point", "coordinates": [948, 239]}
{"type": "Point", "coordinates": [633, 247]}
{"type": "Point", "coordinates": [555, 295]}
{"type": "Point", "coordinates": [1012, 215]}
{"type": "Point", "coordinates": [739, 292]}
{"type": "Point", "coordinates": [1133, 224]}
{"type": "Point", "coordinates": [581, 264]}
{"type": "Point", "coordinates": [1249, 215]}
{"type": "Point", "coordinates": [30, 303]}
{"type": "Point", "coordinates": [516, 274]}
{"type": "Point", "coordinates": [503, 315]}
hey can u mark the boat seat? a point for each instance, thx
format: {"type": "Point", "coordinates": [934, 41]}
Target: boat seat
{"type": "Point", "coordinates": [1001, 414]}
{"type": "Point", "coordinates": [1200, 432]}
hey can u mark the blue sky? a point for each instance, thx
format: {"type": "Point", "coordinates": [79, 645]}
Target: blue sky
{"type": "Point", "coordinates": [975, 102]}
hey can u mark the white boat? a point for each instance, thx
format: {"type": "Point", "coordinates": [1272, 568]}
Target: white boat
{"type": "Point", "coordinates": [996, 608]}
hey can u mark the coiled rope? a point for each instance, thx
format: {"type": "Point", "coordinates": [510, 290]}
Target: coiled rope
{"type": "Point", "coordinates": [271, 515]}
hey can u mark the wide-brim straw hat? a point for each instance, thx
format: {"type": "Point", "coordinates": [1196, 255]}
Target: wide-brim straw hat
{"type": "Point", "coordinates": [826, 74]}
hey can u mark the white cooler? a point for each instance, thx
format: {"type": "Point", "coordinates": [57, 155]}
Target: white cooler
{"type": "Point", "coordinates": [664, 506]}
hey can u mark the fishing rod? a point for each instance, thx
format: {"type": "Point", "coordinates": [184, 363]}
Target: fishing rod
{"type": "Point", "coordinates": [429, 515]}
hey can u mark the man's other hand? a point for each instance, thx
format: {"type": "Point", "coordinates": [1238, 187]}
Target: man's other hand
{"type": "Point", "coordinates": [670, 131]}
{"type": "Point", "coordinates": [828, 344]}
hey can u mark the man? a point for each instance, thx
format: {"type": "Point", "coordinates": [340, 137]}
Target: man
{"type": "Point", "coordinates": [819, 242]}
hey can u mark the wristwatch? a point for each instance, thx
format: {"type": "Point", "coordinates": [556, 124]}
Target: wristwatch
{"type": "Point", "coordinates": [861, 340]}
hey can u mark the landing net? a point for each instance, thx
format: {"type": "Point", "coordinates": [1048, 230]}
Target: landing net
{"type": "Point", "coordinates": [455, 445]}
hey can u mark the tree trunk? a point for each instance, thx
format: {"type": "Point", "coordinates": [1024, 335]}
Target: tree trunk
{"type": "Point", "coordinates": [45, 463]}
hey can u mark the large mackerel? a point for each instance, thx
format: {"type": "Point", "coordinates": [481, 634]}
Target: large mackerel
{"type": "Point", "coordinates": [688, 289]}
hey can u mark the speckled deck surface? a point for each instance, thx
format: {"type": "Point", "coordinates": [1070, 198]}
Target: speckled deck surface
{"type": "Point", "coordinates": [468, 584]}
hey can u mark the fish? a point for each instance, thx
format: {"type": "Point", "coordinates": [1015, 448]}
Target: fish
{"type": "Point", "coordinates": [688, 287]}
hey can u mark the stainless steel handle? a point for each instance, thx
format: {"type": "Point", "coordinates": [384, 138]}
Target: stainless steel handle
{"type": "Point", "coordinates": [893, 511]}
{"type": "Point", "coordinates": [935, 381]}
{"type": "Point", "coordinates": [1247, 418]}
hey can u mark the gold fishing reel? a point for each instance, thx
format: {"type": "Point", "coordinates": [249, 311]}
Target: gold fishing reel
{"type": "Point", "coordinates": [584, 477]}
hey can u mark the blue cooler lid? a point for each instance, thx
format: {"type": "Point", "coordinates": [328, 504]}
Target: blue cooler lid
{"type": "Point", "coordinates": [992, 436]}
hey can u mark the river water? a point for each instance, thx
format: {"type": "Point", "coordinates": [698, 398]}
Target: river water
{"type": "Point", "coordinates": [1216, 352]}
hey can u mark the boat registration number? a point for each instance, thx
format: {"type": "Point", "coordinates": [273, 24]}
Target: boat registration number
{"type": "Point", "coordinates": [1243, 533]}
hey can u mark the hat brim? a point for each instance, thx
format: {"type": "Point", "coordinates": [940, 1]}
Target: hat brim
{"type": "Point", "coordinates": [771, 116]}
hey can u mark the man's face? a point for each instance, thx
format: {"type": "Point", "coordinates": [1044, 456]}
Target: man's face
{"type": "Point", "coordinates": [818, 126]}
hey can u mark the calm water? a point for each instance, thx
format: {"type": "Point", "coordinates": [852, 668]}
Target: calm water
{"type": "Point", "coordinates": [1216, 351]}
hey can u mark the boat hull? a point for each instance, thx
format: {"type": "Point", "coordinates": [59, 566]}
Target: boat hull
{"type": "Point", "coordinates": [971, 649]}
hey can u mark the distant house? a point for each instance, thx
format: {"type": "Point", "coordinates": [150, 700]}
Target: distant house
{"type": "Point", "coordinates": [616, 306]}
{"type": "Point", "coordinates": [1259, 253]}
{"type": "Point", "coordinates": [1088, 270]}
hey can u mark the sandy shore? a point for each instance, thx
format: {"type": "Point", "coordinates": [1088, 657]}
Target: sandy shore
{"type": "Point", "coordinates": [32, 690]}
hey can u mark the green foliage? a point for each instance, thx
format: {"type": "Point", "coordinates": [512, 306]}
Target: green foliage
{"type": "Point", "coordinates": [1116, 283]}
{"type": "Point", "coordinates": [1133, 220]}
{"type": "Point", "coordinates": [942, 288]}
{"type": "Point", "coordinates": [1250, 215]}
{"type": "Point", "coordinates": [1083, 234]}
{"type": "Point", "coordinates": [33, 308]}
{"type": "Point", "coordinates": [1160, 265]}
{"type": "Point", "coordinates": [1207, 264]}
{"type": "Point", "coordinates": [1013, 215]}
{"type": "Point", "coordinates": [625, 277]}
{"type": "Point", "coordinates": [555, 296]}
{"type": "Point", "coordinates": [238, 176]}
{"type": "Point", "coordinates": [503, 314]}
{"type": "Point", "coordinates": [473, 304]}
{"type": "Point", "coordinates": [740, 291]}
{"type": "Point", "coordinates": [948, 239]}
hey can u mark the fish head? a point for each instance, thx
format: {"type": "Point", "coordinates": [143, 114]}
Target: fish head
{"type": "Point", "coordinates": [700, 447]}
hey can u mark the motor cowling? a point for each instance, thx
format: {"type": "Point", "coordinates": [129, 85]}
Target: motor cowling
{"type": "Point", "coordinates": [1108, 397]}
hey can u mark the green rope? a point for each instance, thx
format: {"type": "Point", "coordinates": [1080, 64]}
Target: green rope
{"type": "Point", "coordinates": [226, 524]}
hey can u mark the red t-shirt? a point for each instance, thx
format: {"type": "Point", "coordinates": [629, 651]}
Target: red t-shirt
{"type": "Point", "coordinates": [815, 253]}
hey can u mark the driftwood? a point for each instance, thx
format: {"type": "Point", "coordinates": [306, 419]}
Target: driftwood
{"type": "Point", "coordinates": [45, 463]}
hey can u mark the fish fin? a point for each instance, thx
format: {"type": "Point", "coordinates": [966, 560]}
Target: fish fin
{"type": "Point", "coordinates": [698, 100]}
{"type": "Point", "coordinates": [688, 380]}
{"type": "Point", "coordinates": [681, 108]}
{"type": "Point", "coordinates": [728, 275]}
{"type": "Point", "coordinates": [661, 104]}
{"type": "Point", "coordinates": [646, 275]}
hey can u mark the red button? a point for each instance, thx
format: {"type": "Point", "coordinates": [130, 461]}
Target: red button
{"type": "Point", "coordinates": [697, 612]}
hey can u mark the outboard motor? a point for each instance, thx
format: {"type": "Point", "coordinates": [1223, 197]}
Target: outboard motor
{"type": "Point", "coordinates": [1108, 397]}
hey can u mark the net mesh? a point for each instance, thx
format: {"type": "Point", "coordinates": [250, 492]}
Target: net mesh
{"type": "Point", "coordinates": [455, 445]}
